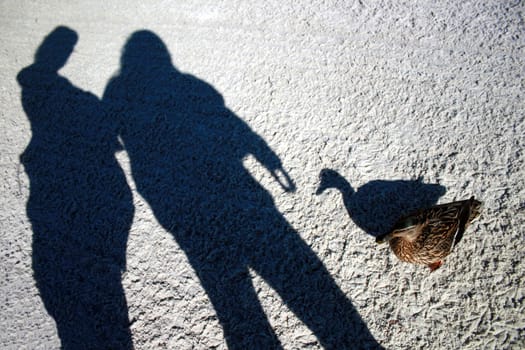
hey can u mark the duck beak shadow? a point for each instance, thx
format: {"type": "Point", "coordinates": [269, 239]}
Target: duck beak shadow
{"type": "Point", "coordinates": [383, 238]}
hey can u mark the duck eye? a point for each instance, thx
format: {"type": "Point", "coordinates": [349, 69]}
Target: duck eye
{"type": "Point", "coordinates": [405, 223]}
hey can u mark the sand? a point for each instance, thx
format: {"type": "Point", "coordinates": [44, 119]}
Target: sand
{"type": "Point", "coordinates": [147, 212]}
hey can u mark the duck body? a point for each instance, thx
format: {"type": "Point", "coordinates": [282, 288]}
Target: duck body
{"type": "Point", "coordinates": [427, 236]}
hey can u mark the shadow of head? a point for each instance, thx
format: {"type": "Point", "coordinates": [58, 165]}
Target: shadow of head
{"type": "Point", "coordinates": [145, 51]}
{"type": "Point", "coordinates": [378, 204]}
{"type": "Point", "coordinates": [56, 48]}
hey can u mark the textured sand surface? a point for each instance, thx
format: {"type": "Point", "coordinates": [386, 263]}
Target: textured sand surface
{"type": "Point", "coordinates": [189, 236]}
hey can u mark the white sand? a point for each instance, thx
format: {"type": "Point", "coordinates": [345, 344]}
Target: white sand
{"type": "Point", "coordinates": [382, 90]}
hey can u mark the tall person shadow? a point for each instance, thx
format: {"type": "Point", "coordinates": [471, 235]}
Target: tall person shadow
{"type": "Point", "coordinates": [186, 150]}
{"type": "Point", "coordinates": [80, 206]}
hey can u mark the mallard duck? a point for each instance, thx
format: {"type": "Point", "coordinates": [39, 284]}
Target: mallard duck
{"type": "Point", "coordinates": [427, 236]}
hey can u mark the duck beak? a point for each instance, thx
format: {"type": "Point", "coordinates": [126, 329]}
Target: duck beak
{"type": "Point", "coordinates": [382, 239]}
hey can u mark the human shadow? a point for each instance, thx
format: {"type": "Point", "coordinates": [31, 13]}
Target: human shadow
{"type": "Point", "coordinates": [80, 205]}
{"type": "Point", "coordinates": [376, 206]}
{"type": "Point", "coordinates": [186, 151]}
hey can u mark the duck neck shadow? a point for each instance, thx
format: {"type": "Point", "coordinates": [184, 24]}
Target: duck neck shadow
{"type": "Point", "coordinates": [332, 179]}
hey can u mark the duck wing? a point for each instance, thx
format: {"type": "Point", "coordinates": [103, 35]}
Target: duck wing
{"type": "Point", "coordinates": [449, 221]}
{"type": "Point", "coordinates": [464, 217]}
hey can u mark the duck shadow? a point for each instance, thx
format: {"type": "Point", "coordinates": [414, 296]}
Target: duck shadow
{"type": "Point", "coordinates": [376, 206]}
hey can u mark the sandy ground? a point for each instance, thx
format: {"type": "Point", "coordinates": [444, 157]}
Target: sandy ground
{"type": "Point", "coordinates": [187, 241]}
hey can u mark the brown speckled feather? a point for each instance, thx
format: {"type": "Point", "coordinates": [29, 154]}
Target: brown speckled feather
{"type": "Point", "coordinates": [429, 235]}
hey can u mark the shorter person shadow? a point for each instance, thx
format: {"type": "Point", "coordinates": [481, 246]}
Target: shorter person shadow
{"type": "Point", "coordinates": [376, 206]}
{"type": "Point", "coordinates": [80, 205]}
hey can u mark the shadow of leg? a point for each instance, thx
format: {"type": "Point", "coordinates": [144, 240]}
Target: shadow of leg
{"type": "Point", "coordinates": [84, 297]}
{"type": "Point", "coordinates": [240, 313]}
{"type": "Point", "coordinates": [297, 274]}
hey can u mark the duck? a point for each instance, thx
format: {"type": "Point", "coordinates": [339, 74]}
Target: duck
{"type": "Point", "coordinates": [427, 236]}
